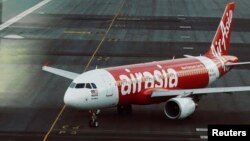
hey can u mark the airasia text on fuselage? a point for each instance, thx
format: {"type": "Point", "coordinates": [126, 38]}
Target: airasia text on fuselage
{"type": "Point", "coordinates": [138, 81]}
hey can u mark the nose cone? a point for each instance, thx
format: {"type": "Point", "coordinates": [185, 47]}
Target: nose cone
{"type": "Point", "coordinates": [73, 99]}
{"type": "Point", "coordinates": [77, 98]}
{"type": "Point", "coordinates": [68, 99]}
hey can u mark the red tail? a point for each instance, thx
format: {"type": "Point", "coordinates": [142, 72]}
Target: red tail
{"type": "Point", "coordinates": [220, 44]}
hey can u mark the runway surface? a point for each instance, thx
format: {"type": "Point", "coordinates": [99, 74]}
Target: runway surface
{"type": "Point", "coordinates": [66, 34]}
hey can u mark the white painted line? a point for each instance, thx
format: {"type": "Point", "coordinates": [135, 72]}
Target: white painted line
{"type": "Point", "coordinates": [201, 129]}
{"type": "Point", "coordinates": [23, 14]}
{"type": "Point", "coordinates": [185, 37]}
{"type": "Point", "coordinates": [185, 27]}
{"type": "Point", "coordinates": [204, 137]}
{"type": "Point", "coordinates": [181, 18]}
{"type": "Point", "coordinates": [189, 48]}
{"type": "Point", "coordinates": [13, 37]}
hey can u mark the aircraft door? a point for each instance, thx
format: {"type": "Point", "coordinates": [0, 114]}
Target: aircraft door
{"type": "Point", "coordinates": [108, 86]}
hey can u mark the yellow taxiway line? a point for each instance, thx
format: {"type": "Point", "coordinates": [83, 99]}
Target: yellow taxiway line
{"type": "Point", "coordinates": [93, 55]}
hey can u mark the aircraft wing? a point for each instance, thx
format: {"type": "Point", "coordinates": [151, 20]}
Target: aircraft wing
{"type": "Point", "coordinates": [187, 92]}
{"type": "Point", "coordinates": [63, 73]}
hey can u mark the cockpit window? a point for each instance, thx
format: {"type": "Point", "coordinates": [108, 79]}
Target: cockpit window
{"type": "Point", "coordinates": [80, 85]}
{"type": "Point", "coordinates": [72, 85]}
{"type": "Point", "coordinates": [83, 85]}
{"type": "Point", "coordinates": [93, 85]}
{"type": "Point", "coordinates": [88, 86]}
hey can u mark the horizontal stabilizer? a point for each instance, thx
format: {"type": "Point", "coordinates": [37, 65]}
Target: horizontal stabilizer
{"type": "Point", "coordinates": [237, 64]}
{"type": "Point", "coordinates": [63, 73]}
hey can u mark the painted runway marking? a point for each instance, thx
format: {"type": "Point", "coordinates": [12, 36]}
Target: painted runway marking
{"type": "Point", "coordinates": [201, 129]}
{"type": "Point", "coordinates": [185, 27]}
{"type": "Point", "coordinates": [13, 37]}
{"type": "Point", "coordinates": [54, 123]}
{"type": "Point", "coordinates": [77, 32]}
{"type": "Point", "coordinates": [185, 37]}
{"type": "Point", "coordinates": [104, 36]}
{"type": "Point", "coordinates": [188, 48]}
{"type": "Point", "coordinates": [98, 47]}
{"type": "Point", "coordinates": [23, 14]}
{"type": "Point", "coordinates": [83, 32]}
{"type": "Point", "coordinates": [181, 18]}
{"type": "Point", "coordinates": [204, 137]}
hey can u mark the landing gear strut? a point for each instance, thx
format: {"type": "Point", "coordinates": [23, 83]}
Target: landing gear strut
{"type": "Point", "coordinates": [93, 121]}
{"type": "Point", "coordinates": [124, 109]}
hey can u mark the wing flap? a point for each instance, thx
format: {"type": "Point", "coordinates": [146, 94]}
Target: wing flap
{"type": "Point", "coordinates": [187, 92]}
{"type": "Point", "coordinates": [63, 73]}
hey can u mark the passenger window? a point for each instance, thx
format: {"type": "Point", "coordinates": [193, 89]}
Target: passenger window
{"type": "Point", "coordinates": [93, 85]}
{"type": "Point", "coordinates": [88, 86]}
{"type": "Point", "coordinates": [80, 85]}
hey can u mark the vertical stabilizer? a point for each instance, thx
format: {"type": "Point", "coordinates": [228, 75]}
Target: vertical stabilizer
{"type": "Point", "coordinates": [221, 41]}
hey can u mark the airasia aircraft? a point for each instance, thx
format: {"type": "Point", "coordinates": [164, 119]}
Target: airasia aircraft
{"type": "Point", "coordinates": [179, 82]}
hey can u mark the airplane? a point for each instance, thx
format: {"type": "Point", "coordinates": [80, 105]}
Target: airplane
{"type": "Point", "coordinates": [179, 83]}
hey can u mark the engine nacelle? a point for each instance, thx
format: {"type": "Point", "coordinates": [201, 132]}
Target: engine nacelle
{"type": "Point", "coordinates": [179, 108]}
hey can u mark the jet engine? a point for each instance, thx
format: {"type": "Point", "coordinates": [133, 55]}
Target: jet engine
{"type": "Point", "coordinates": [179, 108]}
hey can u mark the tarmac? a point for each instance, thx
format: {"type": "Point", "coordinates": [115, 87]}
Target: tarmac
{"type": "Point", "coordinates": [82, 35]}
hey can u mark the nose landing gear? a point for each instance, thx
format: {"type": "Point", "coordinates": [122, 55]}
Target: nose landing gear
{"type": "Point", "coordinates": [93, 121]}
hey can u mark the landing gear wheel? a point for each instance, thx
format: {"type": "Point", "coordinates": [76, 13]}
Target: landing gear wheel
{"type": "Point", "coordinates": [96, 124]}
{"type": "Point", "coordinates": [93, 121]}
{"type": "Point", "coordinates": [124, 109]}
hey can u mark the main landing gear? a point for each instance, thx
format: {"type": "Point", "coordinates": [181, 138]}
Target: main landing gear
{"type": "Point", "coordinates": [93, 121]}
{"type": "Point", "coordinates": [124, 109]}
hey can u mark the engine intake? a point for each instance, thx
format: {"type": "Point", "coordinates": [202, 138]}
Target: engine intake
{"type": "Point", "coordinates": [179, 108]}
